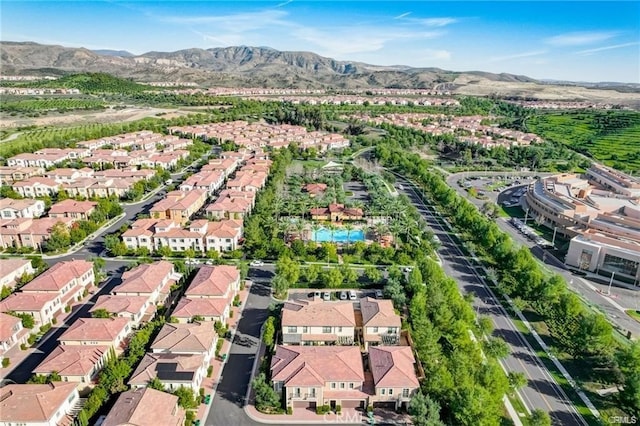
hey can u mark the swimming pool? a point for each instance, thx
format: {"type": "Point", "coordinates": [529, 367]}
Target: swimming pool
{"type": "Point", "coordinates": [339, 235]}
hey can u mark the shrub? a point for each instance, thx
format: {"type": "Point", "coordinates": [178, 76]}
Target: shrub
{"type": "Point", "coordinates": [54, 321]}
{"type": "Point", "coordinates": [242, 286]}
{"type": "Point", "coordinates": [338, 409]}
{"type": "Point", "coordinates": [219, 344]}
{"type": "Point", "coordinates": [67, 308]}
{"type": "Point", "coordinates": [5, 362]}
{"type": "Point", "coordinates": [23, 346]}
{"type": "Point", "coordinates": [370, 409]}
{"type": "Point", "coordinates": [210, 371]}
{"type": "Point", "coordinates": [236, 300]}
{"type": "Point", "coordinates": [32, 339]}
{"type": "Point", "coordinates": [230, 314]}
{"type": "Point", "coordinates": [323, 409]}
{"type": "Point", "coordinates": [201, 392]}
{"type": "Point", "coordinates": [289, 410]}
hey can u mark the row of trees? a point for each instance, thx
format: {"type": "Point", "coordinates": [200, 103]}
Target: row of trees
{"type": "Point", "coordinates": [583, 334]}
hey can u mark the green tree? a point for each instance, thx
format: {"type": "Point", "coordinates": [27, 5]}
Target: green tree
{"type": "Point", "coordinates": [373, 274]}
{"type": "Point", "coordinates": [424, 411]}
{"type": "Point", "coordinates": [539, 417]}
{"type": "Point", "coordinates": [312, 273]}
{"type": "Point", "coordinates": [495, 347]}
{"type": "Point", "coordinates": [269, 332]}
{"type": "Point", "coordinates": [266, 398]}
{"type": "Point", "coordinates": [288, 269]}
{"type": "Point", "coordinates": [280, 286]}
{"type": "Point", "coordinates": [332, 278]}
{"type": "Point", "coordinates": [101, 313]}
{"type": "Point", "coordinates": [189, 253]}
{"type": "Point", "coordinates": [59, 238]}
{"type": "Point", "coordinates": [156, 384]}
{"type": "Point", "coordinates": [186, 397]}
{"type": "Point", "coordinates": [517, 380]}
{"type": "Point", "coordinates": [628, 362]}
{"type": "Point", "coordinates": [165, 251]}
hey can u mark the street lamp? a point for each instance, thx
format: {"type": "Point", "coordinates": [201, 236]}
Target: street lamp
{"type": "Point", "coordinates": [553, 240]}
{"type": "Point", "coordinates": [610, 282]}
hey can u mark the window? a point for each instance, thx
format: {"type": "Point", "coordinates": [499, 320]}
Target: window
{"type": "Point", "coordinates": [326, 329]}
{"type": "Point", "coordinates": [305, 329]}
{"type": "Point", "coordinates": [382, 391]}
{"type": "Point", "coordinates": [333, 385]}
{"type": "Point", "coordinates": [350, 385]}
{"type": "Point", "coordinates": [297, 392]}
{"type": "Point", "coordinates": [405, 393]}
{"type": "Point", "coordinates": [292, 329]}
{"type": "Point", "coordinates": [620, 265]}
{"type": "Point", "coordinates": [390, 391]}
{"type": "Point", "coordinates": [391, 330]}
{"type": "Point", "coordinates": [342, 386]}
{"type": "Point", "coordinates": [375, 329]}
{"type": "Point", "coordinates": [312, 392]}
{"type": "Point", "coordinates": [339, 329]}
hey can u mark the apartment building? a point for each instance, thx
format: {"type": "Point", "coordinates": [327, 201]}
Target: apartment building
{"type": "Point", "coordinates": [381, 325]}
{"type": "Point", "coordinates": [76, 210]}
{"type": "Point", "coordinates": [43, 307]}
{"type": "Point", "coordinates": [394, 375]}
{"type": "Point", "coordinates": [36, 186]}
{"type": "Point", "coordinates": [186, 339]}
{"type": "Point", "coordinates": [67, 279]}
{"type": "Point", "coordinates": [137, 309]}
{"type": "Point", "coordinates": [221, 281]}
{"type": "Point", "coordinates": [27, 232]}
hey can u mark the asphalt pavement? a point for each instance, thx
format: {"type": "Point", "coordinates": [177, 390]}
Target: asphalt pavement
{"type": "Point", "coordinates": [541, 392]}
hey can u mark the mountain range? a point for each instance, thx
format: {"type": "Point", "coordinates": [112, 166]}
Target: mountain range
{"type": "Point", "coordinates": [244, 66]}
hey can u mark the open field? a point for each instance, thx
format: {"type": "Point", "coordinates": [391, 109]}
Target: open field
{"type": "Point", "coordinates": [608, 136]}
{"type": "Point", "coordinates": [87, 117]}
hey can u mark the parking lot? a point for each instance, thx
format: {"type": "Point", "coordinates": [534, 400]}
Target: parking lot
{"type": "Point", "coordinates": [505, 190]}
{"type": "Point", "coordinates": [333, 295]}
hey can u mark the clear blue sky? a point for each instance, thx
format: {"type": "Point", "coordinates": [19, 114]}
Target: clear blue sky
{"type": "Point", "coordinates": [574, 40]}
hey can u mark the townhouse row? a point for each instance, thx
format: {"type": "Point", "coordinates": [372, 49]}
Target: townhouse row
{"type": "Point", "coordinates": [262, 135]}
{"type": "Point", "coordinates": [320, 361]}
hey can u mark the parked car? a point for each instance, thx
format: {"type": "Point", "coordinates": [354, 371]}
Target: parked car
{"type": "Point", "coordinates": [378, 294]}
{"type": "Point", "coordinates": [352, 295]}
{"type": "Point", "coordinates": [256, 263]}
{"type": "Point", "coordinates": [343, 295]}
{"type": "Point", "coordinates": [326, 296]}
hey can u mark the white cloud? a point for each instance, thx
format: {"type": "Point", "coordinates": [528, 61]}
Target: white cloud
{"type": "Point", "coordinates": [580, 38]}
{"type": "Point", "coordinates": [517, 56]}
{"type": "Point", "coordinates": [403, 15]}
{"type": "Point", "coordinates": [600, 49]}
{"type": "Point", "coordinates": [437, 22]}
{"type": "Point", "coordinates": [236, 23]}
{"type": "Point", "coordinates": [343, 41]}
{"type": "Point", "coordinates": [436, 55]}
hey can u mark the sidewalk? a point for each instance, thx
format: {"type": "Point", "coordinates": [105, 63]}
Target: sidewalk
{"type": "Point", "coordinates": [210, 384]}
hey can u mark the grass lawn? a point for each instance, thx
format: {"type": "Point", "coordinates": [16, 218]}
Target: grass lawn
{"type": "Point", "coordinates": [634, 314]}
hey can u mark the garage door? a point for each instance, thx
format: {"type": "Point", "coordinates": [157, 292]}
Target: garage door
{"type": "Point", "coordinates": [311, 405]}
{"type": "Point", "coordinates": [385, 405]}
{"type": "Point", "coordinates": [352, 403]}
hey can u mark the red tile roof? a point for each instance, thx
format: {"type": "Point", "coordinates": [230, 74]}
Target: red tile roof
{"type": "Point", "coordinates": [31, 403]}
{"type": "Point", "coordinates": [393, 366]}
{"type": "Point", "coordinates": [213, 281]}
{"type": "Point", "coordinates": [316, 365]}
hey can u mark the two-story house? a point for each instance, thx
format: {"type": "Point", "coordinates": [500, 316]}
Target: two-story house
{"type": "Point", "coordinates": [145, 406]}
{"type": "Point", "coordinates": [75, 363]}
{"type": "Point", "coordinates": [12, 269]}
{"type": "Point", "coordinates": [68, 279]}
{"type": "Point", "coordinates": [43, 307]}
{"type": "Point", "coordinates": [394, 375]}
{"type": "Point", "coordinates": [186, 339]}
{"type": "Point", "coordinates": [13, 209]}
{"type": "Point", "coordinates": [220, 281]}
{"type": "Point", "coordinates": [110, 332]}
{"type": "Point", "coordinates": [12, 334]}
{"type": "Point", "coordinates": [152, 280]}
{"type": "Point", "coordinates": [318, 323]}
{"type": "Point", "coordinates": [380, 323]}
{"type": "Point", "coordinates": [38, 405]}
{"type": "Point", "coordinates": [311, 376]}
{"type": "Point", "coordinates": [173, 371]}
{"type": "Point", "coordinates": [77, 210]}
{"type": "Point", "coordinates": [135, 308]}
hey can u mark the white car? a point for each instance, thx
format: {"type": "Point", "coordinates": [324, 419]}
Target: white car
{"type": "Point", "coordinates": [343, 295]}
{"type": "Point", "coordinates": [256, 263]}
{"type": "Point", "coordinates": [326, 296]}
{"type": "Point", "coordinates": [352, 295]}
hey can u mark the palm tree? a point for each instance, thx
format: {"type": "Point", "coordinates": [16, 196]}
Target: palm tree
{"type": "Point", "coordinates": [299, 226]}
{"type": "Point", "coordinates": [332, 229]}
{"type": "Point", "coordinates": [315, 227]}
{"type": "Point", "coordinates": [348, 227]}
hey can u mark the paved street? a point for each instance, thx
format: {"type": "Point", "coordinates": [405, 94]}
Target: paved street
{"type": "Point", "coordinates": [542, 391]}
{"type": "Point", "coordinates": [227, 407]}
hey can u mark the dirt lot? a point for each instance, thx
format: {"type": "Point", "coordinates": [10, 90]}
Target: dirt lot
{"type": "Point", "coordinates": [106, 116]}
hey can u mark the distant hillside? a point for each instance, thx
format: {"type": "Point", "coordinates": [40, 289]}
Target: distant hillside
{"type": "Point", "coordinates": [244, 66]}
{"type": "Point", "coordinates": [107, 52]}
